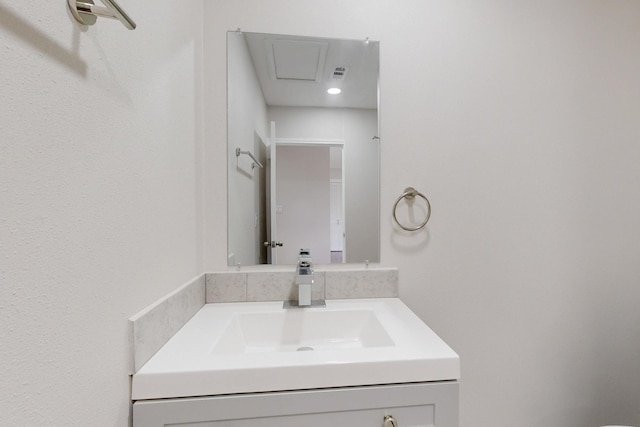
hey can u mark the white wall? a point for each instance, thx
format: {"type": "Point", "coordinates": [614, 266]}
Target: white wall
{"type": "Point", "coordinates": [100, 198]}
{"type": "Point", "coordinates": [520, 121]}
{"type": "Point", "coordinates": [248, 130]}
{"type": "Point", "coordinates": [362, 183]}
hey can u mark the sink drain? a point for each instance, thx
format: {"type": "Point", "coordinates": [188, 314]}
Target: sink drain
{"type": "Point", "coordinates": [305, 349]}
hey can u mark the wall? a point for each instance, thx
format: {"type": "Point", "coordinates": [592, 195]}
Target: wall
{"type": "Point", "coordinates": [248, 130]}
{"type": "Point", "coordinates": [361, 185]}
{"type": "Point", "coordinates": [520, 121]}
{"type": "Point", "coordinates": [100, 198]}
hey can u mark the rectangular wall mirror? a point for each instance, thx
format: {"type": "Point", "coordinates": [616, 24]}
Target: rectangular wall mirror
{"type": "Point", "coordinates": [303, 163]}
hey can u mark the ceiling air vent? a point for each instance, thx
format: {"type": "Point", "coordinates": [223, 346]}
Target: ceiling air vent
{"type": "Point", "coordinates": [296, 59]}
{"type": "Point", "coordinates": [339, 73]}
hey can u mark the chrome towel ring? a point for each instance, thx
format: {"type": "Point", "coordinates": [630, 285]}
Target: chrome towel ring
{"type": "Point", "coordinates": [410, 193]}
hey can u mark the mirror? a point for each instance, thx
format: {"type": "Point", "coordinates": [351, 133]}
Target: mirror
{"type": "Point", "coordinates": [303, 164]}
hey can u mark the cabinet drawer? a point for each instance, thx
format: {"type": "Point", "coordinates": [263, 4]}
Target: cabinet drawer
{"type": "Point", "coordinates": [412, 405]}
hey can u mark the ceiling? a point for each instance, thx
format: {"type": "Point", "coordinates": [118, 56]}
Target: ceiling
{"type": "Point", "coordinates": [297, 71]}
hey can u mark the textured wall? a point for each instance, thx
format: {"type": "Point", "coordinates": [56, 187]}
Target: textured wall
{"type": "Point", "coordinates": [520, 120]}
{"type": "Point", "coordinates": [100, 198]}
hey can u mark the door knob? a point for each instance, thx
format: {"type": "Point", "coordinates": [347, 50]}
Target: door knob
{"type": "Point", "coordinates": [272, 244]}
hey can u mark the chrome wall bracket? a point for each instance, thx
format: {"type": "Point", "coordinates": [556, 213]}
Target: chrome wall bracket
{"type": "Point", "coordinates": [248, 153]}
{"type": "Point", "coordinates": [86, 12]}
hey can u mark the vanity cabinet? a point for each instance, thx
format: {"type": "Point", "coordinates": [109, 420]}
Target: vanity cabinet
{"type": "Point", "coordinates": [429, 404]}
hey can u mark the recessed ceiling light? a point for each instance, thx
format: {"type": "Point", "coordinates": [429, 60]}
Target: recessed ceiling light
{"type": "Point", "coordinates": [334, 91]}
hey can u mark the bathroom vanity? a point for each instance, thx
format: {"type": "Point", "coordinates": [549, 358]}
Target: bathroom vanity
{"type": "Point", "coordinates": [352, 363]}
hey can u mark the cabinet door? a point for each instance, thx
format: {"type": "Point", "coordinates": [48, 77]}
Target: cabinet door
{"type": "Point", "coordinates": [417, 416]}
{"type": "Point", "coordinates": [412, 405]}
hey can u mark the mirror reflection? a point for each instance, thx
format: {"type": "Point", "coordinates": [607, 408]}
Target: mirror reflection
{"type": "Point", "coordinates": [303, 149]}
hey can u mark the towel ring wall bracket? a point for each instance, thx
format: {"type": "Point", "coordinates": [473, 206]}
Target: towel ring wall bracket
{"type": "Point", "coordinates": [86, 12]}
{"type": "Point", "coordinates": [411, 193]}
{"type": "Point", "coordinates": [82, 14]}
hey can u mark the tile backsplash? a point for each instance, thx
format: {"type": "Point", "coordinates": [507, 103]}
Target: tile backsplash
{"type": "Point", "coordinates": [238, 286]}
{"type": "Point", "coordinates": [151, 328]}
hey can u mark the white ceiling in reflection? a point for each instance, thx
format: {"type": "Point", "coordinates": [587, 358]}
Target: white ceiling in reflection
{"type": "Point", "coordinates": [297, 71]}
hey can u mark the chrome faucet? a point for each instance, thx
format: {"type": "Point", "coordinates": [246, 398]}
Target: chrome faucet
{"type": "Point", "coordinates": [304, 282]}
{"type": "Point", "coordinates": [304, 278]}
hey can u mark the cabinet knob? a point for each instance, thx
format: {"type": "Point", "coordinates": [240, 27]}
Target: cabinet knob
{"type": "Point", "coordinates": [389, 421]}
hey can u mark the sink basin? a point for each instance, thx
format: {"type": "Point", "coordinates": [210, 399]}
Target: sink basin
{"type": "Point", "coordinates": [301, 330]}
{"type": "Point", "coordinates": [253, 347]}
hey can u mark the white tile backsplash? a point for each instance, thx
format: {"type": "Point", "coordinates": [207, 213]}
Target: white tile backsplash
{"type": "Point", "coordinates": [152, 327]}
{"type": "Point", "coordinates": [362, 283]}
{"type": "Point", "coordinates": [280, 285]}
{"type": "Point", "coordinates": [226, 287]}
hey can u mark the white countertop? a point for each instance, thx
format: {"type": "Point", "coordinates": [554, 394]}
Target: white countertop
{"type": "Point", "coordinates": [251, 347]}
